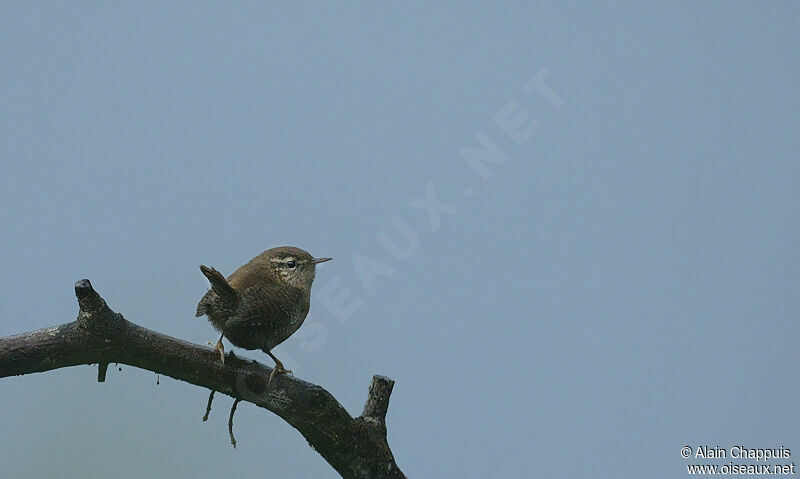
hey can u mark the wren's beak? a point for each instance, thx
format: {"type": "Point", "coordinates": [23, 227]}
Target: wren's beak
{"type": "Point", "coordinates": [320, 260]}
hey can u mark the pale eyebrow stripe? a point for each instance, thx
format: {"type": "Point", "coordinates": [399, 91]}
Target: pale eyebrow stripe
{"type": "Point", "coordinates": [283, 260]}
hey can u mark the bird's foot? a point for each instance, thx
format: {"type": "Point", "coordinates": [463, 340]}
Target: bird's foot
{"type": "Point", "coordinates": [278, 369]}
{"type": "Point", "coordinates": [220, 348]}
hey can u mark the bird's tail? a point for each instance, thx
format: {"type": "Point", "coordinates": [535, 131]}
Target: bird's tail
{"type": "Point", "coordinates": [219, 287]}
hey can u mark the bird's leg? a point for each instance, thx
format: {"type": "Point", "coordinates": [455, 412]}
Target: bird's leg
{"type": "Point", "coordinates": [219, 347]}
{"type": "Point", "coordinates": [278, 369]}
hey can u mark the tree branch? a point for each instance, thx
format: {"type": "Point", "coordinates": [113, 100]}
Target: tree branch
{"type": "Point", "coordinates": [355, 447]}
{"type": "Point", "coordinates": [378, 402]}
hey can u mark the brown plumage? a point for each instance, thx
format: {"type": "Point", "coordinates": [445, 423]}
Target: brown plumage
{"type": "Point", "coordinates": [263, 302]}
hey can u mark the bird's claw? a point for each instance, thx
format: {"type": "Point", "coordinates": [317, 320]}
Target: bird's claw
{"type": "Point", "coordinates": [219, 348]}
{"type": "Point", "coordinates": [278, 370]}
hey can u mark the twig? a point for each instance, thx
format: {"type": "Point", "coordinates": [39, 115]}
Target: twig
{"type": "Point", "coordinates": [208, 406]}
{"type": "Point", "coordinates": [102, 369]}
{"type": "Point", "coordinates": [230, 422]}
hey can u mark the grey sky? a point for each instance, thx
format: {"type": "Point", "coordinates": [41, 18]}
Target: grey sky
{"type": "Point", "coordinates": [625, 284]}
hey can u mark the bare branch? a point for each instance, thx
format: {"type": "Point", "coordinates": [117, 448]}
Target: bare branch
{"type": "Point", "coordinates": [356, 448]}
{"type": "Point", "coordinates": [378, 402]}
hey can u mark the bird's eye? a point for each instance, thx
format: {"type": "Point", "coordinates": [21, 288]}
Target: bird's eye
{"type": "Point", "coordinates": [291, 264]}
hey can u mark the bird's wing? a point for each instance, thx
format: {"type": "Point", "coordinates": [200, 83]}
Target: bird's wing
{"type": "Point", "coordinates": [267, 305]}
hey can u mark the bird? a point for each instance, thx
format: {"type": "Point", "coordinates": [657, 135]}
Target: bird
{"type": "Point", "coordinates": [263, 302]}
